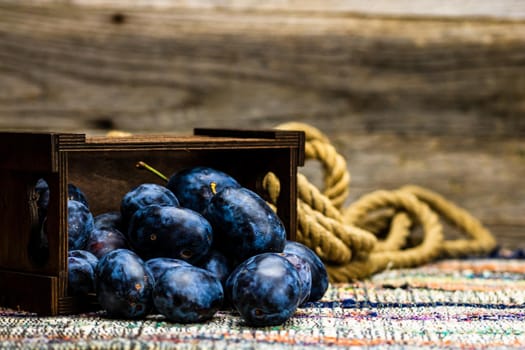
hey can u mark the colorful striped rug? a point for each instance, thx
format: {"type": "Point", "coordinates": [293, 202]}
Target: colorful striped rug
{"type": "Point", "coordinates": [459, 304]}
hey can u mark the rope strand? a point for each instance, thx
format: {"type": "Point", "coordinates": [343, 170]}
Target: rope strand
{"type": "Point", "coordinates": [347, 239]}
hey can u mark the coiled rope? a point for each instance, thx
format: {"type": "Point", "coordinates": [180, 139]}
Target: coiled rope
{"type": "Point", "coordinates": [373, 233]}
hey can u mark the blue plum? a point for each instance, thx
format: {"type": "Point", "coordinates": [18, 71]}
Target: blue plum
{"type": "Point", "coordinates": [81, 273]}
{"type": "Point", "coordinates": [103, 240]}
{"type": "Point", "coordinates": [79, 224]}
{"type": "Point", "coordinates": [305, 274]}
{"type": "Point", "coordinates": [75, 193]}
{"type": "Point", "coordinates": [110, 219]}
{"type": "Point", "coordinates": [188, 294]}
{"type": "Point", "coordinates": [84, 254]}
{"type": "Point", "coordinates": [160, 265]}
{"type": "Point", "coordinates": [142, 196]}
{"type": "Point", "coordinates": [193, 186]}
{"type": "Point", "coordinates": [244, 224]}
{"type": "Point", "coordinates": [124, 284]}
{"type": "Point", "coordinates": [218, 264]}
{"type": "Point", "coordinates": [81, 279]}
{"type": "Point", "coordinates": [167, 231]}
{"type": "Point", "coordinates": [319, 274]}
{"type": "Point", "coordinates": [265, 289]}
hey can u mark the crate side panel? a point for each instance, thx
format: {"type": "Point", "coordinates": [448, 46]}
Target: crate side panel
{"type": "Point", "coordinates": [58, 235]}
{"type": "Point", "coordinates": [29, 240]}
{"type": "Point", "coordinates": [28, 152]}
{"type": "Point", "coordinates": [31, 292]}
{"type": "Point", "coordinates": [15, 220]}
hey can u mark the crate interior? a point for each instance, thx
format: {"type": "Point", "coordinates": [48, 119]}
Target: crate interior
{"type": "Point", "coordinates": [106, 176]}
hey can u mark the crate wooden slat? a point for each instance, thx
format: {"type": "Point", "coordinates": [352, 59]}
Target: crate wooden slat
{"type": "Point", "coordinates": [104, 168]}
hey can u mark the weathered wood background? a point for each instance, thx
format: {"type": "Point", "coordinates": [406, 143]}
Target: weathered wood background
{"type": "Point", "coordinates": [428, 92]}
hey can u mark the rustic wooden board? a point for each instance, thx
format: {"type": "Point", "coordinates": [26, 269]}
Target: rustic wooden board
{"type": "Point", "coordinates": [432, 95]}
{"type": "Point", "coordinates": [148, 69]}
{"type": "Point", "coordinates": [508, 9]}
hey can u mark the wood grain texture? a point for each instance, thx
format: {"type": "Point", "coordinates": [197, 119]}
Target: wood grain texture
{"type": "Point", "coordinates": [508, 9]}
{"type": "Point", "coordinates": [76, 67]}
{"type": "Point", "coordinates": [434, 98]}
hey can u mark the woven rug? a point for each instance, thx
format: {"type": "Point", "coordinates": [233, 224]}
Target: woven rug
{"type": "Point", "coordinates": [448, 304]}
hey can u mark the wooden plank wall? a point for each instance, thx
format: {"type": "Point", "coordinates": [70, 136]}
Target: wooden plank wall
{"type": "Point", "coordinates": [428, 92]}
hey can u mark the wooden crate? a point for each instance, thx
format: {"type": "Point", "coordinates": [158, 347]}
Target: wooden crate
{"type": "Point", "coordinates": [104, 168]}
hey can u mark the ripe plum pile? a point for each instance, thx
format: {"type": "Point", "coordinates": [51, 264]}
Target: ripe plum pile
{"type": "Point", "coordinates": [185, 250]}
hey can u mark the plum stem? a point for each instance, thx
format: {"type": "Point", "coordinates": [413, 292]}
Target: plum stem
{"type": "Point", "coordinates": [144, 165]}
{"type": "Point", "coordinates": [213, 187]}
